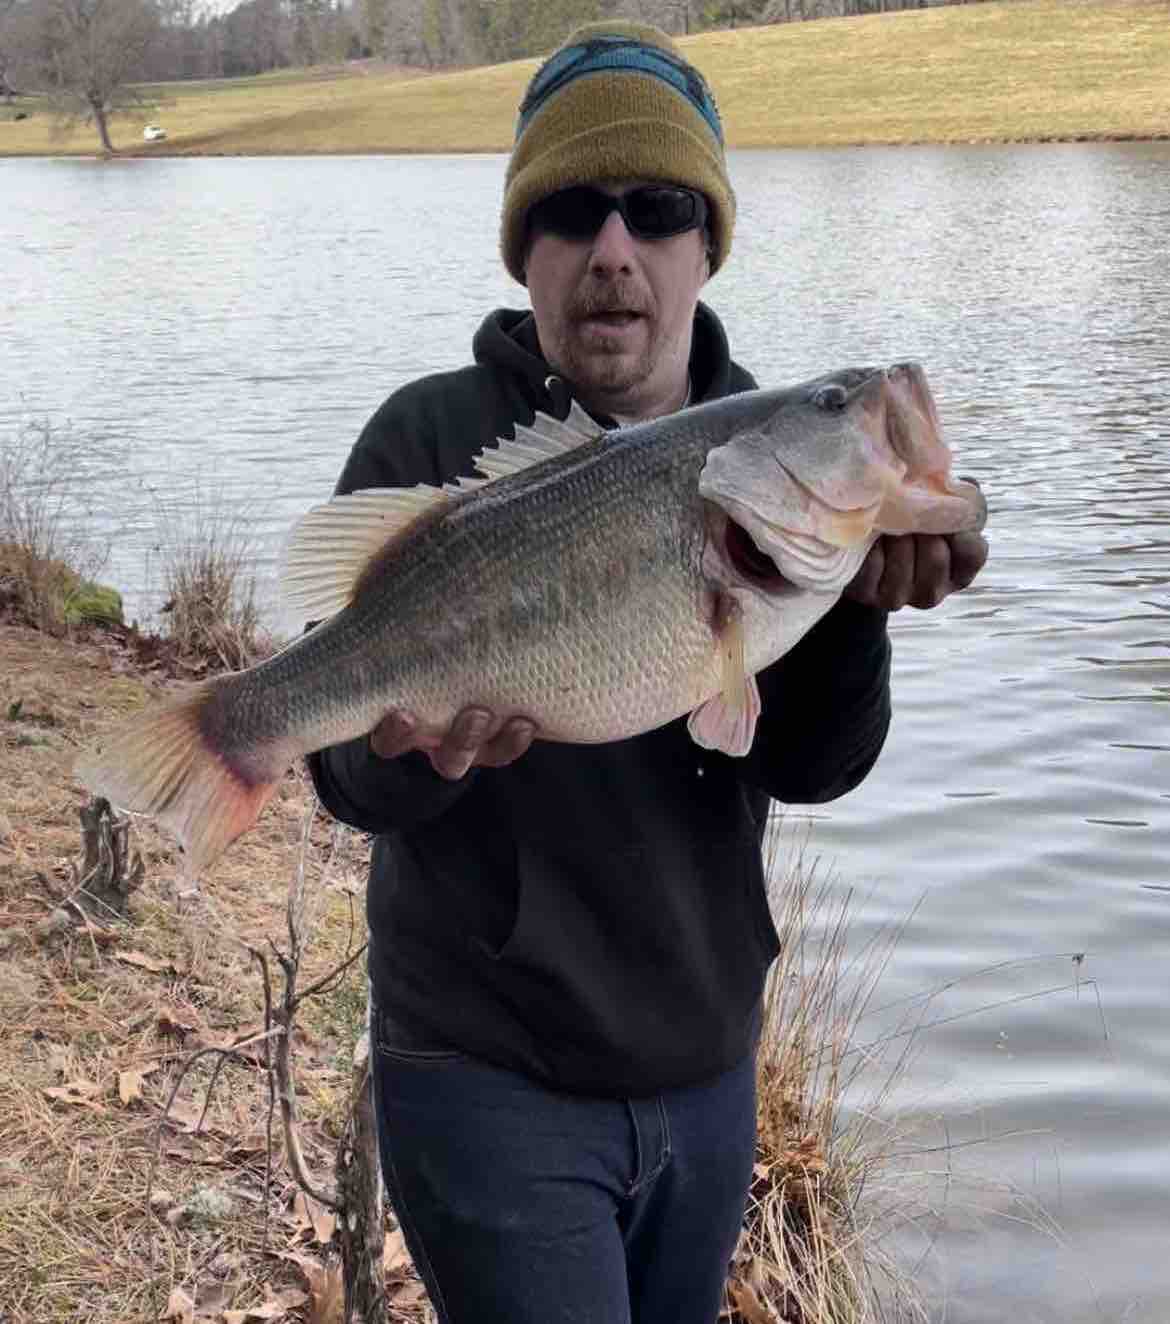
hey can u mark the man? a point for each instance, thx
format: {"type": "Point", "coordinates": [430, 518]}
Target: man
{"type": "Point", "coordinates": [568, 943]}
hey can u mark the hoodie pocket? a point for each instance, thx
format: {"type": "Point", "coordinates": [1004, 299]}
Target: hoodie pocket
{"type": "Point", "coordinates": [405, 1043]}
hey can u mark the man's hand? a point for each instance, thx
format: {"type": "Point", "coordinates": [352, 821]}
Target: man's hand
{"type": "Point", "coordinates": [917, 569]}
{"type": "Point", "coordinates": [475, 739]}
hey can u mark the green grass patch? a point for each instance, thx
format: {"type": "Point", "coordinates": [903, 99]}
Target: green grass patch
{"type": "Point", "coordinates": [1009, 71]}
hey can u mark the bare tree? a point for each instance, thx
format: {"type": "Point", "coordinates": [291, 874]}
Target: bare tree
{"type": "Point", "coordinates": [88, 52]}
{"type": "Point", "coordinates": [9, 44]}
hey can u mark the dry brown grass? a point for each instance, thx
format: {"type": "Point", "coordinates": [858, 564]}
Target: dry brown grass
{"type": "Point", "coordinates": [1025, 70]}
{"type": "Point", "coordinates": [47, 545]}
{"type": "Point", "coordinates": [812, 1250]}
{"type": "Point", "coordinates": [99, 1021]}
{"type": "Point", "coordinates": [210, 613]}
{"type": "Point", "coordinates": [1013, 70]}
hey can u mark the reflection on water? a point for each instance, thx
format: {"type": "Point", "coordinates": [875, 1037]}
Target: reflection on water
{"type": "Point", "coordinates": [235, 322]}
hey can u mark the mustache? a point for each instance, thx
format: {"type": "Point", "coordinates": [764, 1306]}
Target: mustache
{"type": "Point", "coordinates": [610, 297]}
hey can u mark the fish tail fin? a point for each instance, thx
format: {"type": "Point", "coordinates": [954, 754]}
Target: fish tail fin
{"type": "Point", "coordinates": [167, 765]}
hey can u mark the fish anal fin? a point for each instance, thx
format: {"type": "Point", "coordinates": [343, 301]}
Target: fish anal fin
{"type": "Point", "coordinates": [727, 721]}
{"type": "Point", "coordinates": [334, 545]}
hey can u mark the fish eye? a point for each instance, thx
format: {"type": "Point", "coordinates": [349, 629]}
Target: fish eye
{"type": "Point", "coordinates": [831, 398]}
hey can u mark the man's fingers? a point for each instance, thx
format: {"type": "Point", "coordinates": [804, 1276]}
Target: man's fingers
{"type": "Point", "coordinates": [897, 582]}
{"type": "Point", "coordinates": [918, 569]}
{"type": "Point", "coordinates": [394, 735]}
{"type": "Point", "coordinates": [864, 585]}
{"type": "Point", "coordinates": [514, 738]}
{"type": "Point", "coordinates": [968, 557]}
{"type": "Point", "coordinates": [474, 739]}
{"type": "Point", "coordinates": [932, 571]}
{"type": "Point", "coordinates": [458, 749]}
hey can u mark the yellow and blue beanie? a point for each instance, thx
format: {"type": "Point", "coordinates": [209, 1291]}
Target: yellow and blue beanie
{"type": "Point", "coordinates": [616, 101]}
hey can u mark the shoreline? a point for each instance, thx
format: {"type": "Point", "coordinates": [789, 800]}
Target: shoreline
{"type": "Point", "coordinates": [137, 154]}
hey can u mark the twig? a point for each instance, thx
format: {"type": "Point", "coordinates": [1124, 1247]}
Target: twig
{"type": "Point", "coordinates": [232, 1049]}
{"type": "Point", "coordinates": [288, 1110]}
{"type": "Point", "coordinates": [263, 963]}
{"type": "Point", "coordinates": [976, 1011]}
{"type": "Point", "coordinates": [278, 1056]}
{"type": "Point", "coordinates": [210, 1091]}
{"type": "Point", "coordinates": [328, 982]}
{"type": "Point", "coordinates": [69, 901]}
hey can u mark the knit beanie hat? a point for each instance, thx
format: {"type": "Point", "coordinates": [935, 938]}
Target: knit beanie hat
{"type": "Point", "coordinates": [616, 101]}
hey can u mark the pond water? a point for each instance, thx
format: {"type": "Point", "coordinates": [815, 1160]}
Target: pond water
{"type": "Point", "coordinates": [214, 333]}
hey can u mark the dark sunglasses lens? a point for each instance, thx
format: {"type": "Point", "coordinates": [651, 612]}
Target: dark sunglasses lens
{"type": "Point", "coordinates": [574, 213]}
{"type": "Point", "coordinates": [657, 212]}
{"type": "Point", "coordinates": [654, 212]}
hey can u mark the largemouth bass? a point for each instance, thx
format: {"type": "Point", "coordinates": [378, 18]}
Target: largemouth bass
{"type": "Point", "coordinates": [602, 584]}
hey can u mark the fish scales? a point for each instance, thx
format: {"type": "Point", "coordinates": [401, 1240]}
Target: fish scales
{"type": "Point", "coordinates": [573, 591]}
{"type": "Point", "coordinates": [598, 585]}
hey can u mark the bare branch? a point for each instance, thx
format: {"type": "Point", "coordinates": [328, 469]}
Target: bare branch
{"type": "Point", "coordinates": [225, 1050]}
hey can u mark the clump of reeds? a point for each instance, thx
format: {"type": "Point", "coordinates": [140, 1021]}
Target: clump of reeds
{"type": "Point", "coordinates": [48, 549]}
{"type": "Point", "coordinates": [810, 1250]}
{"type": "Point", "coordinates": [211, 612]}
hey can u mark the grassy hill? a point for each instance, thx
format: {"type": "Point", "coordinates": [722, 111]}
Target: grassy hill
{"type": "Point", "coordinates": [1024, 69]}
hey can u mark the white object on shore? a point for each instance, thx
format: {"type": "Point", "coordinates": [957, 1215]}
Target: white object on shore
{"type": "Point", "coordinates": [153, 133]}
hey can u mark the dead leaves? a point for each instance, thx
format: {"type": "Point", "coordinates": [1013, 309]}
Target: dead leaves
{"type": "Point", "coordinates": [404, 1290]}
{"type": "Point", "coordinates": [754, 1301]}
{"type": "Point", "coordinates": [130, 1083]}
{"type": "Point", "coordinates": [179, 1307]}
{"type": "Point", "coordinates": [748, 1304]}
{"type": "Point", "coordinates": [408, 1295]}
{"type": "Point", "coordinates": [274, 1308]}
{"type": "Point", "coordinates": [185, 1309]}
{"type": "Point", "coordinates": [143, 962]}
{"type": "Point", "coordinates": [80, 1093]}
{"type": "Point", "coordinates": [174, 1025]}
{"type": "Point", "coordinates": [327, 1293]}
{"type": "Point", "coordinates": [395, 1257]}
{"type": "Point", "coordinates": [308, 1215]}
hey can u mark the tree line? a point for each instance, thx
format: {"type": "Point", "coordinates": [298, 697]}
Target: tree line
{"type": "Point", "coordinates": [85, 56]}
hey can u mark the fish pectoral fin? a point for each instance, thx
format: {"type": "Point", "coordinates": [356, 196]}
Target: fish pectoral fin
{"type": "Point", "coordinates": [729, 727]}
{"type": "Point", "coordinates": [727, 722]}
{"type": "Point", "coordinates": [333, 544]}
{"type": "Point", "coordinates": [546, 438]}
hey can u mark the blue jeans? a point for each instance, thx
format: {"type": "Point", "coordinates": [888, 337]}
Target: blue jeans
{"type": "Point", "coordinates": [524, 1206]}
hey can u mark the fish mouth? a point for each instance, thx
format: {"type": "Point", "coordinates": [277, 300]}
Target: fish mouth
{"type": "Point", "coordinates": [756, 566]}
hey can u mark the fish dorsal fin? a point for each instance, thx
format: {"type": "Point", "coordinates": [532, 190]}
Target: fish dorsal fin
{"type": "Point", "coordinates": [332, 544]}
{"type": "Point", "coordinates": [547, 437]}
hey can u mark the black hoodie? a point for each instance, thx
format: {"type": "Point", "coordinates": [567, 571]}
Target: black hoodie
{"type": "Point", "coordinates": [592, 915]}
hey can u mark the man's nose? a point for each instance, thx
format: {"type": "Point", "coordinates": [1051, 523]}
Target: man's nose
{"type": "Point", "coordinates": [613, 246]}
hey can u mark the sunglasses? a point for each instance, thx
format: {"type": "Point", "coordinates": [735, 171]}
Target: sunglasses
{"type": "Point", "coordinates": [655, 211]}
